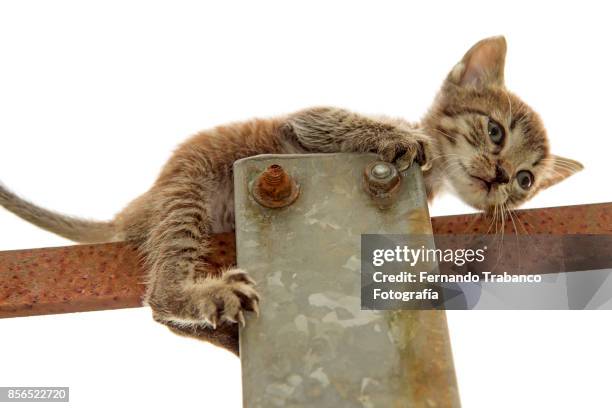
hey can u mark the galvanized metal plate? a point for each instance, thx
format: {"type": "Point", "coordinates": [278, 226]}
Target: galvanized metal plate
{"type": "Point", "coordinates": [313, 346]}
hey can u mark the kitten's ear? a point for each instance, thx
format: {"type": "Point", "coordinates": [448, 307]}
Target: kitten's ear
{"type": "Point", "coordinates": [482, 65]}
{"type": "Point", "coordinates": [560, 169]}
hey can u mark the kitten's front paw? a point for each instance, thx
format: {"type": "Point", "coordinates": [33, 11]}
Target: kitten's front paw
{"type": "Point", "coordinates": [403, 152]}
{"type": "Point", "coordinates": [225, 298]}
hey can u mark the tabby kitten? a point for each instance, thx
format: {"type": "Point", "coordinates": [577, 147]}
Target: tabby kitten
{"type": "Point", "coordinates": [477, 138]}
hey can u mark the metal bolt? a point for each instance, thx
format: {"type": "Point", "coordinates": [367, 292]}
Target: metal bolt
{"type": "Point", "coordinates": [381, 170]}
{"type": "Point", "coordinates": [382, 181]}
{"type": "Point", "coordinates": [274, 188]}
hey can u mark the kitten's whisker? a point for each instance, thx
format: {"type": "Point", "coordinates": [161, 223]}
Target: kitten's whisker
{"type": "Point", "coordinates": [516, 235]}
{"type": "Point", "coordinates": [502, 227]}
{"type": "Point", "coordinates": [445, 134]}
{"type": "Point", "coordinates": [474, 220]}
{"type": "Point", "coordinates": [503, 221]}
{"type": "Point", "coordinates": [448, 167]}
{"type": "Point", "coordinates": [443, 155]}
{"type": "Point", "coordinates": [493, 220]}
{"type": "Point", "coordinates": [512, 219]}
{"type": "Point", "coordinates": [498, 216]}
{"type": "Point", "coordinates": [488, 214]}
{"type": "Point", "coordinates": [524, 223]}
{"type": "Point", "coordinates": [518, 220]}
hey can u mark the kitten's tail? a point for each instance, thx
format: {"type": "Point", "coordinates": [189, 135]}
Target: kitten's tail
{"type": "Point", "coordinates": [75, 229]}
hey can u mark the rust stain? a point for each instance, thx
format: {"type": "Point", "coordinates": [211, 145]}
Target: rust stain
{"type": "Point", "coordinates": [417, 218]}
{"type": "Point", "coordinates": [110, 276]}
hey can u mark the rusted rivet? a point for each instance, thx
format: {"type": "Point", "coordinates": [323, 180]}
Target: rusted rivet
{"type": "Point", "coordinates": [274, 188]}
{"type": "Point", "coordinates": [382, 181]}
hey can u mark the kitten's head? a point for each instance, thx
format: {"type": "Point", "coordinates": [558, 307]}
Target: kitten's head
{"type": "Point", "coordinates": [491, 146]}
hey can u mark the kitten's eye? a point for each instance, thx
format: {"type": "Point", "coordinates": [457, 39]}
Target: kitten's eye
{"type": "Point", "coordinates": [496, 132]}
{"type": "Point", "coordinates": [525, 179]}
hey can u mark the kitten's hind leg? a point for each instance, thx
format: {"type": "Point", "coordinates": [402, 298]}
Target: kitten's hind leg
{"type": "Point", "coordinates": [184, 291]}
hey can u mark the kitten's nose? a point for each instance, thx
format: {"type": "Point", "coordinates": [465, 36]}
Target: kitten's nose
{"type": "Point", "coordinates": [501, 175]}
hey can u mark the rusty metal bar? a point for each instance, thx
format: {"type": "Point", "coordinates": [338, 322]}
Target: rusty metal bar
{"type": "Point", "coordinates": [81, 278]}
{"type": "Point", "coordinates": [109, 276]}
{"type": "Point", "coordinates": [573, 219]}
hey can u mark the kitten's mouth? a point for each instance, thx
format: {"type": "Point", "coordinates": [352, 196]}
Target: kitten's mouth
{"type": "Point", "coordinates": [486, 184]}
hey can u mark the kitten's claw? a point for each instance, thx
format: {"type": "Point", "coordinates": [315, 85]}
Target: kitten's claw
{"type": "Point", "coordinates": [238, 275]}
{"type": "Point", "coordinates": [256, 309]}
{"type": "Point", "coordinates": [403, 153]}
{"type": "Point", "coordinates": [226, 298]}
{"type": "Point", "coordinates": [213, 321]}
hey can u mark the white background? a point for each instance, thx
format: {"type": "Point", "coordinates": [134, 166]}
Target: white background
{"type": "Point", "coordinates": [93, 98]}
